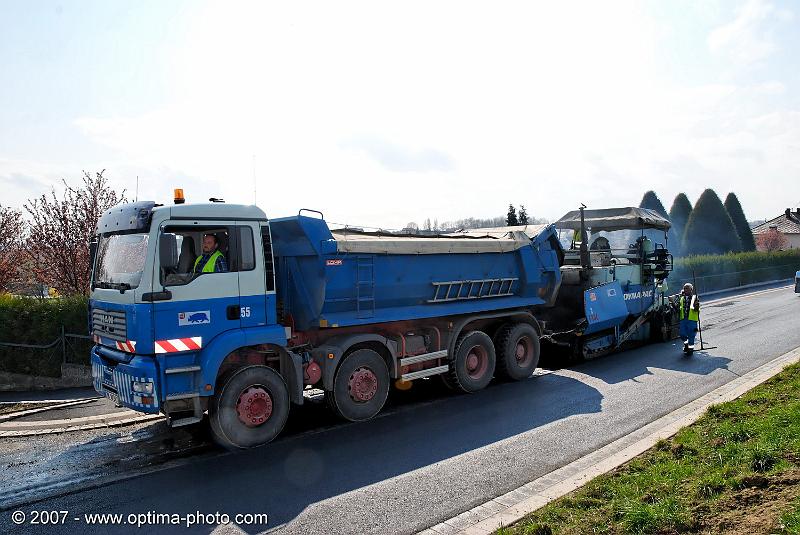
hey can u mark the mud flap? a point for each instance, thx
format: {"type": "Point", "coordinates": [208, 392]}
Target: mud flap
{"type": "Point", "coordinates": [292, 372]}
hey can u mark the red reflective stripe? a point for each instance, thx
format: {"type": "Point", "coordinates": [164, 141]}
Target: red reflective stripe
{"type": "Point", "coordinates": [166, 346]}
{"type": "Point", "coordinates": [190, 343]}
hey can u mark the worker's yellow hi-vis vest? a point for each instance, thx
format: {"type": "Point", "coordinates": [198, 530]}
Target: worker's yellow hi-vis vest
{"type": "Point", "coordinates": [694, 315]}
{"type": "Point", "coordinates": [209, 267]}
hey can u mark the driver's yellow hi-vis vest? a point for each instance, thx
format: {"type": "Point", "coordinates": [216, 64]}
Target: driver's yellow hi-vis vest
{"type": "Point", "coordinates": [694, 315]}
{"type": "Point", "coordinates": [209, 267]}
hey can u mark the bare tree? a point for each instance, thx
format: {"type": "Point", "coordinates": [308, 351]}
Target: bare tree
{"type": "Point", "coordinates": [12, 228]}
{"type": "Point", "coordinates": [411, 228]}
{"type": "Point", "coordinates": [60, 230]}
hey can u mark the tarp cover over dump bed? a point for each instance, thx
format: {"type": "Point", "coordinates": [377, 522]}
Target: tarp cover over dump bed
{"type": "Point", "coordinates": [494, 240]}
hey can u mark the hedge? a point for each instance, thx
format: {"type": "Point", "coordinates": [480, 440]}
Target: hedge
{"type": "Point", "coordinates": [35, 321]}
{"type": "Point", "coordinates": [717, 272]}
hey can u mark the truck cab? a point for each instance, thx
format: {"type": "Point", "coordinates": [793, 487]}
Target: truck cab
{"type": "Point", "coordinates": [153, 313]}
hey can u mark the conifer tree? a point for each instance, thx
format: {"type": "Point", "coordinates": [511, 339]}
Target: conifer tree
{"type": "Point", "coordinates": [523, 215]}
{"type": "Point", "coordinates": [678, 216]}
{"type": "Point", "coordinates": [740, 222]}
{"type": "Point", "coordinates": [511, 218]}
{"type": "Point", "coordinates": [709, 229]}
{"type": "Point", "coordinates": [651, 201]}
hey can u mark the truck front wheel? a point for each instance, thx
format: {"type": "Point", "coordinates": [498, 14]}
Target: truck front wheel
{"type": "Point", "coordinates": [250, 408]}
{"type": "Point", "coordinates": [473, 362]}
{"type": "Point", "coordinates": [360, 387]}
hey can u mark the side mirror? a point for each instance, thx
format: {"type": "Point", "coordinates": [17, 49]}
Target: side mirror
{"type": "Point", "coordinates": [92, 258]}
{"type": "Point", "coordinates": [168, 251]}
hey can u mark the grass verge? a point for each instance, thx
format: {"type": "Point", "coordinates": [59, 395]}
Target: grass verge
{"type": "Point", "coordinates": [735, 470]}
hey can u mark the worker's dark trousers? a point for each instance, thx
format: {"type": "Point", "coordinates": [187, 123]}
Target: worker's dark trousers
{"type": "Point", "coordinates": [688, 330]}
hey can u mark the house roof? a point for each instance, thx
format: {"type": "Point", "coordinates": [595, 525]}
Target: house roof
{"type": "Point", "coordinates": [786, 223]}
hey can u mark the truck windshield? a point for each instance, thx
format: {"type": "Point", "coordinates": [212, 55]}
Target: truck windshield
{"type": "Point", "coordinates": [120, 261]}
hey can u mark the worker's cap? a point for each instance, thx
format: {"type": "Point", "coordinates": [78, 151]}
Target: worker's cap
{"type": "Point", "coordinates": [688, 286]}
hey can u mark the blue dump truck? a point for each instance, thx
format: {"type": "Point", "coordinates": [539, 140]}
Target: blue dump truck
{"type": "Point", "coordinates": [797, 282]}
{"type": "Point", "coordinates": [293, 305]}
{"type": "Point", "coordinates": [296, 305]}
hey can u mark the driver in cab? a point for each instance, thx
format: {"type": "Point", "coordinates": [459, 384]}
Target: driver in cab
{"type": "Point", "coordinates": [211, 261]}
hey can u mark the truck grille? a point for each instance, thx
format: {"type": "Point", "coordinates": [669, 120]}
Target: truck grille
{"type": "Point", "coordinates": [109, 324]}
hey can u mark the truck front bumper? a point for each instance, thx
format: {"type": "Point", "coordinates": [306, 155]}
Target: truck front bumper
{"type": "Point", "coordinates": [115, 380]}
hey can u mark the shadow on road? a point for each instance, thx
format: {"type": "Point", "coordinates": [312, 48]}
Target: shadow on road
{"type": "Point", "coordinates": [285, 477]}
{"type": "Point", "coordinates": [632, 364]}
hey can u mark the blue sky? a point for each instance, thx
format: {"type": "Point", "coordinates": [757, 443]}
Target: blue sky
{"type": "Point", "coordinates": [384, 113]}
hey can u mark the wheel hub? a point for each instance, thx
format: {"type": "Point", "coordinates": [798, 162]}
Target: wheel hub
{"type": "Point", "coordinates": [477, 362]}
{"type": "Point", "coordinates": [363, 385]}
{"type": "Point", "coordinates": [524, 351]}
{"type": "Point", "coordinates": [254, 406]}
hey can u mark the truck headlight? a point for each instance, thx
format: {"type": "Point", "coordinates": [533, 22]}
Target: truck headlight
{"type": "Point", "coordinates": [142, 388]}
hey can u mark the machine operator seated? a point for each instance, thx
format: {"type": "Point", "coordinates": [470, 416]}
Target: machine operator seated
{"type": "Point", "coordinates": [212, 260]}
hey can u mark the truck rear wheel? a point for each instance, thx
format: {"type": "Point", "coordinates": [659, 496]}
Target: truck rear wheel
{"type": "Point", "coordinates": [472, 366]}
{"type": "Point", "coordinates": [250, 408]}
{"type": "Point", "coordinates": [360, 386]}
{"type": "Point", "coordinates": [518, 351]}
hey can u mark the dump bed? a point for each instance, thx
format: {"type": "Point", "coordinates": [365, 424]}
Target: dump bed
{"type": "Point", "coordinates": [341, 278]}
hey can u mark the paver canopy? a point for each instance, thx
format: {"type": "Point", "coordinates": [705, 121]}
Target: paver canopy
{"type": "Point", "coordinates": [610, 219]}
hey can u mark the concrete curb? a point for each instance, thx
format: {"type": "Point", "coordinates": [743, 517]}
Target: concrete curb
{"type": "Point", "coordinates": [55, 405]}
{"type": "Point", "coordinates": [746, 287]}
{"type": "Point", "coordinates": [46, 427]}
{"type": "Point", "coordinates": [513, 506]}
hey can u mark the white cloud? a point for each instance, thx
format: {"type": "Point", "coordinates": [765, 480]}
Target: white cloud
{"type": "Point", "coordinates": [747, 39]}
{"type": "Point", "coordinates": [379, 114]}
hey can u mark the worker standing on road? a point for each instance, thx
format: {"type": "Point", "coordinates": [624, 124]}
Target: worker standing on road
{"type": "Point", "coordinates": [689, 315]}
{"type": "Point", "coordinates": [211, 261]}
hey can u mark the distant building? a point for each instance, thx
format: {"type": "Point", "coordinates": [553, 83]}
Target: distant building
{"type": "Point", "coordinates": [788, 223]}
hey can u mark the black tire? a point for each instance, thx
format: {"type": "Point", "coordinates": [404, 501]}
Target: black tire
{"type": "Point", "coordinates": [445, 378]}
{"type": "Point", "coordinates": [661, 328]}
{"type": "Point", "coordinates": [228, 430]}
{"type": "Point", "coordinates": [357, 399]}
{"type": "Point", "coordinates": [518, 351]}
{"type": "Point", "coordinates": [462, 374]}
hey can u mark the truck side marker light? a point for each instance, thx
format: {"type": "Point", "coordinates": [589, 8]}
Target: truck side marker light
{"type": "Point", "coordinates": [208, 388]}
{"type": "Point", "coordinates": [175, 345]}
{"type": "Point", "coordinates": [330, 355]}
